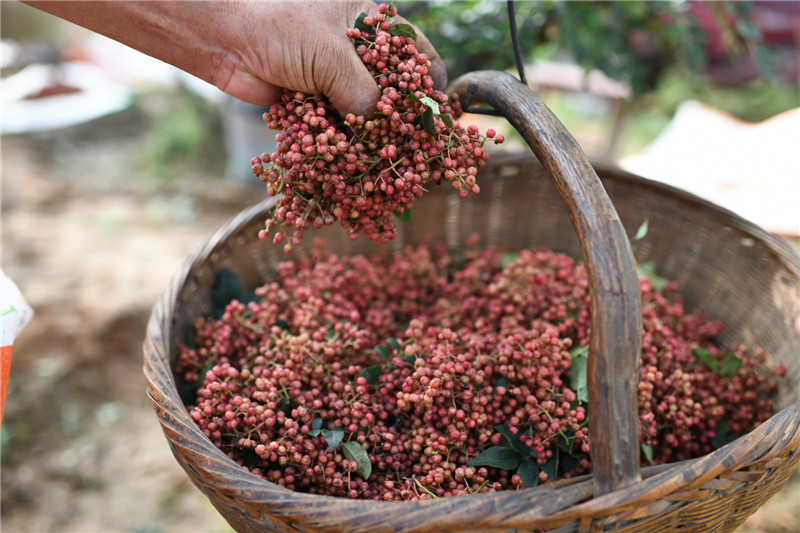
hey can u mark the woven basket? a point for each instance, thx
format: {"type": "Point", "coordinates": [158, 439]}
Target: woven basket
{"type": "Point", "coordinates": [726, 267]}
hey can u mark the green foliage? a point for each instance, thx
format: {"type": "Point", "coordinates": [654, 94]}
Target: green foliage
{"type": "Point", "coordinates": [404, 30]}
{"type": "Point", "coordinates": [641, 233]}
{"type": "Point", "coordinates": [508, 258]}
{"type": "Point", "coordinates": [513, 454]}
{"type": "Point", "coordinates": [727, 367]}
{"type": "Point", "coordinates": [578, 373]}
{"type": "Point", "coordinates": [647, 450]}
{"type": "Point", "coordinates": [228, 287]}
{"type": "Point", "coordinates": [371, 374]}
{"type": "Point", "coordinates": [355, 452]}
{"type": "Point", "coordinates": [405, 216]}
{"type": "Point", "coordinates": [432, 108]}
{"type": "Point", "coordinates": [754, 101]}
{"type": "Point", "coordinates": [723, 434]}
{"type": "Point", "coordinates": [648, 269]}
{"type": "Point", "coordinates": [635, 41]}
{"type": "Point", "coordinates": [498, 457]}
{"type": "Point", "coordinates": [333, 437]}
{"type": "Point", "coordinates": [185, 137]}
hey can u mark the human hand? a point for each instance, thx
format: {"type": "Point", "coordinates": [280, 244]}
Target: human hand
{"type": "Point", "coordinates": [303, 47]}
{"type": "Point", "coordinates": [250, 49]}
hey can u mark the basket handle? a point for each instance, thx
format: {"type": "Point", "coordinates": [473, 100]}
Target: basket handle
{"type": "Point", "coordinates": [616, 323]}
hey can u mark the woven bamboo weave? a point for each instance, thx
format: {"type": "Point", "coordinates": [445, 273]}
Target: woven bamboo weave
{"type": "Point", "coordinates": [726, 267]}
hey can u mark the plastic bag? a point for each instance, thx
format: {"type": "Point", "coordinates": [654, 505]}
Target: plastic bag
{"type": "Point", "coordinates": [15, 313]}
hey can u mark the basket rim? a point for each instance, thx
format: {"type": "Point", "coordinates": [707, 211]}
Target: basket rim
{"type": "Point", "coordinates": [510, 507]}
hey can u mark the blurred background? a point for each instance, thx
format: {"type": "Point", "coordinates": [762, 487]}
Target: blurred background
{"type": "Point", "coordinates": [115, 167]}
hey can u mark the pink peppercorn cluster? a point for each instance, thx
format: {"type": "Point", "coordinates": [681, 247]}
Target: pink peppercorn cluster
{"type": "Point", "coordinates": [704, 396]}
{"type": "Point", "coordinates": [428, 374]}
{"type": "Point", "coordinates": [362, 171]}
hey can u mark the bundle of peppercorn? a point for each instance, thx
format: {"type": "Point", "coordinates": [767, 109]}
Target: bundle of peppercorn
{"type": "Point", "coordinates": [363, 172]}
{"type": "Point", "coordinates": [431, 373]}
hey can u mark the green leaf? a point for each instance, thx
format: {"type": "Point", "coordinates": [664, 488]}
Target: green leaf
{"type": "Point", "coordinates": [551, 466]}
{"type": "Point", "coordinates": [359, 24]}
{"type": "Point", "coordinates": [410, 359]}
{"type": "Point", "coordinates": [403, 30]}
{"type": "Point", "coordinates": [448, 120]}
{"type": "Point", "coordinates": [730, 364]}
{"type": "Point", "coordinates": [498, 457]}
{"type": "Point", "coordinates": [580, 351]}
{"type": "Point", "coordinates": [333, 437]}
{"type": "Point", "coordinates": [513, 440]}
{"type": "Point", "coordinates": [529, 472]}
{"type": "Point", "coordinates": [405, 216]}
{"type": "Point", "coordinates": [227, 287]}
{"type": "Point", "coordinates": [568, 462]}
{"type": "Point", "coordinates": [354, 451]}
{"type": "Point", "coordinates": [705, 357]}
{"type": "Point", "coordinates": [565, 440]}
{"type": "Point", "coordinates": [723, 434]}
{"type": "Point", "coordinates": [508, 258]}
{"type": "Point", "coordinates": [383, 352]}
{"type": "Point", "coordinates": [281, 323]}
{"type": "Point", "coordinates": [372, 373]}
{"type": "Point", "coordinates": [648, 269]}
{"type": "Point", "coordinates": [728, 367]}
{"type": "Point", "coordinates": [432, 104]}
{"type": "Point", "coordinates": [641, 233]}
{"type": "Point", "coordinates": [427, 101]}
{"type": "Point", "coordinates": [578, 375]}
{"type": "Point", "coordinates": [427, 121]}
{"type": "Point", "coordinates": [647, 450]}
{"type": "Point", "coordinates": [394, 343]}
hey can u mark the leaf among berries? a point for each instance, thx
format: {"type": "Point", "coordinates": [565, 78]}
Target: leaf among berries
{"type": "Point", "coordinates": [513, 440]}
{"type": "Point", "coordinates": [648, 270]}
{"type": "Point", "coordinates": [359, 24]}
{"type": "Point", "coordinates": [730, 364]}
{"type": "Point", "coordinates": [498, 457]}
{"type": "Point", "coordinates": [372, 373]}
{"type": "Point", "coordinates": [647, 450]}
{"type": "Point", "coordinates": [355, 452]}
{"type": "Point", "coordinates": [403, 30]}
{"type": "Point", "coordinates": [578, 374]}
{"type": "Point", "coordinates": [529, 472]}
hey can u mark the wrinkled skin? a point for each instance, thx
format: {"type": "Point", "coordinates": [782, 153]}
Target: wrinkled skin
{"type": "Point", "coordinates": [249, 49]}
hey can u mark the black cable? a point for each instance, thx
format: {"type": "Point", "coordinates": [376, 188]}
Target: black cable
{"type": "Point", "coordinates": [512, 23]}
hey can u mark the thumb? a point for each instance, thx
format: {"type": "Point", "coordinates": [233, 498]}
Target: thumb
{"type": "Point", "coordinates": [350, 87]}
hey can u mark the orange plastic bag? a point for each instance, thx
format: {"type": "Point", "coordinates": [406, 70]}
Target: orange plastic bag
{"type": "Point", "coordinates": [15, 313]}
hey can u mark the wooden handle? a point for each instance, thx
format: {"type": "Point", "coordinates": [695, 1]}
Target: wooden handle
{"type": "Point", "coordinates": [615, 343]}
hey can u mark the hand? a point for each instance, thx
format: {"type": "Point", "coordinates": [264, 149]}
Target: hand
{"type": "Point", "coordinates": [249, 49]}
{"type": "Point", "coordinates": [303, 46]}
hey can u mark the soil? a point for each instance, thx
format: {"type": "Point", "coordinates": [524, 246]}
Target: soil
{"type": "Point", "coordinates": [92, 243]}
{"type": "Point", "coordinates": [91, 248]}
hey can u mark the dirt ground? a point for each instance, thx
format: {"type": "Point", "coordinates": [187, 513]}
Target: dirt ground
{"type": "Point", "coordinates": [92, 248]}
{"type": "Point", "coordinates": [92, 244]}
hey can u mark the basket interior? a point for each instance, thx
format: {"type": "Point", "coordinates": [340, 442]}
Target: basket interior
{"type": "Point", "coordinates": [726, 267]}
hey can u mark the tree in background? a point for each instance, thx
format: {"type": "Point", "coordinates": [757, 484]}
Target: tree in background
{"type": "Point", "coordinates": [636, 42]}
